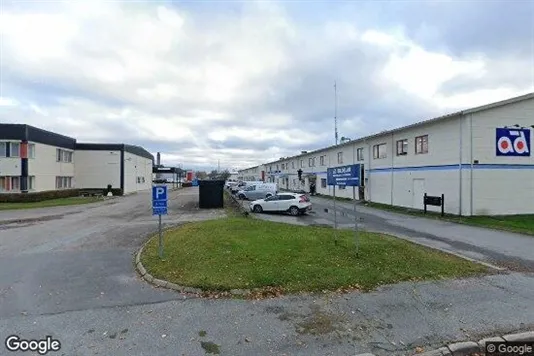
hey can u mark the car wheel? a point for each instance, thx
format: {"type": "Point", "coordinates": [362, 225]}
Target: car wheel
{"type": "Point", "coordinates": [294, 211]}
{"type": "Point", "coordinates": [268, 195]}
{"type": "Point", "coordinates": [258, 209]}
{"type": "Point", "coordinates": [241, 196]}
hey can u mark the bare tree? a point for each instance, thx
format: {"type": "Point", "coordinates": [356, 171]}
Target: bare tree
{"type": "Point", "coordinates": [201, 175]}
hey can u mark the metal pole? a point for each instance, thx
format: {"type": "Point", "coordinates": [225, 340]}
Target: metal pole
{"type": "Point", "coordinates": [357, 242]}
{"type": "Point", "coordinates": [160, 239]}
{"type": "Point", "coordinates": [335, 217]}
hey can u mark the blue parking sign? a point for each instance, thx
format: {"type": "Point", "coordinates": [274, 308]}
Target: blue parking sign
{"type": "Point", "coordinates": [159, 200]}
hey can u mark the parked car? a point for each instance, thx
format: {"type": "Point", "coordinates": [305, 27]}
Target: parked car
{"type": "Point", "coordinates": [241, 186]}
{"type": "Point", "coordinates": [258, 190]}
{"type": "Point", "coordinates": [292, 203]}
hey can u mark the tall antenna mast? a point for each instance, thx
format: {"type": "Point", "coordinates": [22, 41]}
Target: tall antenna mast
{"type": "Point", "coordinates": [335, 110]}
{"type": "Point", "coordinates": [218, 165]}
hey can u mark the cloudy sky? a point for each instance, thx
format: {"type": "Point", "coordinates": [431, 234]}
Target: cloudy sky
{"type": "Point", "coordinates": [248, 82]}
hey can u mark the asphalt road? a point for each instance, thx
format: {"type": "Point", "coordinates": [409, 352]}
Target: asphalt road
{"type": "Point", "coordinates": [70, 275]}
{"type": "Point", "coordinates": [503, 249]}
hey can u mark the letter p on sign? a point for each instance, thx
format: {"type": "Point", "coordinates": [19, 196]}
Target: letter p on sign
{"type": "Point", "coordinates": [159, 193]}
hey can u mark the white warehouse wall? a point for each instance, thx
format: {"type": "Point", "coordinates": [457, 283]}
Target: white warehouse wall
{"type": "Point", "coordinates": [501, 184]}
{"type": "Point", "coordinates": [136, 166]}
{"type": "Point", "coordinates": [97, 169]}
{"type": "Point", "coordinates": [45, 168]}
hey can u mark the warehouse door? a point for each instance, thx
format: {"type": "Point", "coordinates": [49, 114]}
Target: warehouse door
{"type": "Point", "coordinates": [418, 192]}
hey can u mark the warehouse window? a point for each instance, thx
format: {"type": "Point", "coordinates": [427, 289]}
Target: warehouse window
{"type": "Point", "coordinates": [359, 154]}
{"type": "Point", "coordinates": [379, 151]}
{"type": "Point", "coordinates": [322, 160]}
{"type": "Point", "coordinates": [310, 163]}
{"type": "Point", "coordinates": [283, 166]}
{"type": "Point", "coordinates": [402, 147]}
{"type": "Point", "coordinates": [31, 150]}
{"type": "Point", "coordinates": [323, 183]}
{"type": "Point", "coordinates": [15, 149]}
{"type": "Point", "coordinates": [421, 144]}
{"type": "Point", "coordinates": [301, 163]}
{"type": "Point", "coordinates": [313, 162]}
{"type": "Point", "coordinates": [340, 157]}
{"type": "Point", "coordinates": [3, 149]}
{"type": "Point", "coordinates": [293, 164]}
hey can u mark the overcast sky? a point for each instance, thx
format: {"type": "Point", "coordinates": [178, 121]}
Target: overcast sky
{"type": "Point", "coordinates": [249, 82]}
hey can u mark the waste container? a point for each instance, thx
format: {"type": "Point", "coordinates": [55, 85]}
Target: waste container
{"type": "Point", "coordinates": [211, 194]}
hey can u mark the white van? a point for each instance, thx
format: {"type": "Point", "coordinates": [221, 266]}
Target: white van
{"type": "Point", "coordinates": [256, 191]}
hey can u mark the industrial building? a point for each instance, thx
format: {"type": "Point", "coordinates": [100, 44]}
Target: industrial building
{"type": "Point", "coordinates": [480, 159]}
{"type": "Point", "coordinates": [33, 160]}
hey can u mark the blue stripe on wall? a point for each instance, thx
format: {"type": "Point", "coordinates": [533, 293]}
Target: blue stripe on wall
{"type": "Point", "coordinates": [449, 167]}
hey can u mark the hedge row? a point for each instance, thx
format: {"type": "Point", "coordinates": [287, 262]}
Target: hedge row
{"type": "Point", "coordinates": [38, 196]}
{"type": "Point", "coordinates": [187, 184]}
{"type": "Point", "coordinates": [50, 194]}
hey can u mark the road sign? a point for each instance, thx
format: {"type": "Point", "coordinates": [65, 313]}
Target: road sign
{"type": "Point", "coordinates": [159, 192]}
{"type": "Point", "coordinates": [344, 175]}
{"type": "Point", "coordinates": [159, 207]}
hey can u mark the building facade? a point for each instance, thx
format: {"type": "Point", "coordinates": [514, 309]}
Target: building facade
{"type": "Point", "coordinates": [33, 160]}
{"type": "Point", "coordinates": [480, 160]}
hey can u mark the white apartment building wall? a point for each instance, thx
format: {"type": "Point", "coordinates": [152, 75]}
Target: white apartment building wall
{"type": "Point", "coordinates": [98, 168]}
{"type": "Point", "coordinates": [52, 167]}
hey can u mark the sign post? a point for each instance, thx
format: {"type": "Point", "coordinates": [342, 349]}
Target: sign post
{"type": "Point", "coordinates": [159, 207]}
{"type": "Point", "coordinates": [345, 176]}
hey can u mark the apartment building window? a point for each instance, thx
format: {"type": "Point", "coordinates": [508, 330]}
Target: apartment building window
{"type": "Point", "coordinates": [15, 183]}
{"type": "Point", "coordinates": [301, 163]}
{"type": "Point", "coordinates": [313, 162]}
{"type": "Point", "coordinates": [15, 149]}
{"type": "Point", "coordinates": [31, 150]}
{"type": "Point", "coordinates": [379, 151]}
{"type": "Point", "coordinates": [340, 157]}
{"type": "Point", "coordinates": [323, 183]}
{"type": "Point", "coordinates": [277, 168]}
{"type": "Point", "coordinates": [421, 144]}
{"type": "Point", "coordinates": [63, 156]}
{"type": "Point", "coordinates": [359, 154]}
{"type": "Point", "coordinates": [321, 160]}
{"type": "Point", "coordinates": [283, 166]}
{"type": "Point", "coordinates": [402, 147]}
{"type": "Point", "coordinates": [31, 182]}
{"type": "Point", "coordinates": [310, 163]}
{"type": "Point", "coordinates": [63, 182]}
{"type": "Point", "coordinates": [3, 184]}
{"type": "Point", "coordinates": [3, 149]}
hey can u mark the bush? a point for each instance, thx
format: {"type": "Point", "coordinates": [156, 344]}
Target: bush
{"type": "Point", "coordinates": [38, 196]}
{"type": "Point", "coordinates": [187, 184]}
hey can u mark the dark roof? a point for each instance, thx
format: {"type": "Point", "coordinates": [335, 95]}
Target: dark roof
{"type": "Point", "coordinates": [136, 150]}
{"type": "Point", "coordinates": [25, 132]}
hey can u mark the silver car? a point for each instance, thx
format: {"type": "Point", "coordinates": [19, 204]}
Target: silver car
{"type": "Point", "coordinates": [258, 191]}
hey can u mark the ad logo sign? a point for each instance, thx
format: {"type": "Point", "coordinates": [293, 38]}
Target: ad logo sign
{"type": "Point", "coordinates": [513, 142]}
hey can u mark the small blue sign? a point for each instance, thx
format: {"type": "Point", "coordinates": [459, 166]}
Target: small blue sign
{"type": "Point", "coordinates": [159, 204]}
{"type": "Point", "coordinates": [194, 183]}
{"type": "Point", "coordinates": [159, 210]}
{"type": "Point", "coordinates": [512, 142]}
{"type": "Point", "coordinates": [344, 175]}
{"type": "Point", "coordinates": [159, 200]}
{"type": "Point", "coordinates": [159, 192]}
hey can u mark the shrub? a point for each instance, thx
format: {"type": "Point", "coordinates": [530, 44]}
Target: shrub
{"type": "Point", "coordinates": [187, 184]}
{"type": "Point", "coordinates": [38, 196]}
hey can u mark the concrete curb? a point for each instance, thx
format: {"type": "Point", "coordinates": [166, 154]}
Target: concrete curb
{"type": "Point", "coordinates": [468, 348]}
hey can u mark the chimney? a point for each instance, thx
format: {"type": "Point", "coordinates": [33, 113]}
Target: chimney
{"type": "Point", "coordinates": [158, 160]}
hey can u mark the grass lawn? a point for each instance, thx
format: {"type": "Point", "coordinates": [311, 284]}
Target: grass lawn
{"type": "Point", "coordinates": [516, 223]}
{"type": "Point", "coordinates": [50, 203]}
{"type": "Point", "coordinates": [241, 253]}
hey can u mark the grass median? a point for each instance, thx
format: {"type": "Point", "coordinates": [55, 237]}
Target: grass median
{"type": "Point", "coordinates": [523, 224]}
{"type": "Point", "coordinates": [240, 253]}
{"type": "Point", "coordinates": [50, 203]}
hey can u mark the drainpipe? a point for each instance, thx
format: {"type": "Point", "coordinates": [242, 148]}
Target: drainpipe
{"type": "Point", "coordinates": [471, 162]}
{"type": "Point", "coordinates": [369, 169]}
{"type": "Point", "coordinates": [460, 167]}
{"type": "Point", "coordinates": [392, 165]}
